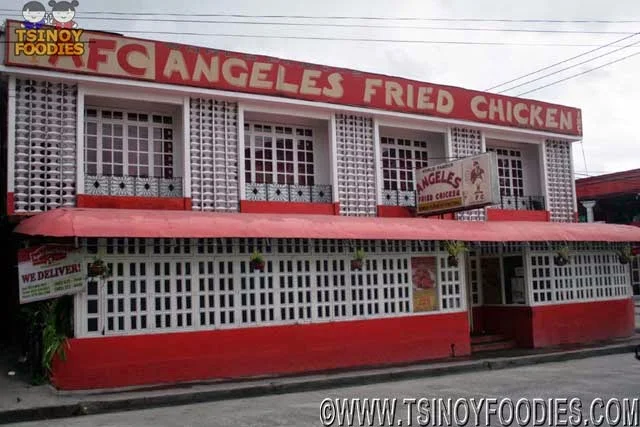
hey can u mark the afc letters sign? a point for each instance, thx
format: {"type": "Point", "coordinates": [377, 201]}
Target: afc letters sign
{"type": "Point", "coordinates": [468, 183]}
{"type": "Point", "coordinates": [161, 62]}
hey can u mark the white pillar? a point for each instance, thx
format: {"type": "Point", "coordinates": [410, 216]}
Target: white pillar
{"type": "Point", "coordinates": [588, 205]}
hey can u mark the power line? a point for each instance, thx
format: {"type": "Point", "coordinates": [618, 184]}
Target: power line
{"type": "Point", "coordinates": [584, 157]}
{"type": "Point", "coordinates": [562, 62]}
{"type": "Point", "coordinates": [569, 67]}
{"type": "Point", "coordinates": [579, 74]}
{"type": "Point", "coordinates": [337, 25]}
{"type": "Point", "coordinates": [341, 17]}
{"type": "Point", "coordinates": [355, 39]}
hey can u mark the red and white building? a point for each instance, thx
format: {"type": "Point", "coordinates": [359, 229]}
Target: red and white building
{"type": "Point", "coordinates": [173, 163]}
{"type": "Point", "coordinates": [613, 198]}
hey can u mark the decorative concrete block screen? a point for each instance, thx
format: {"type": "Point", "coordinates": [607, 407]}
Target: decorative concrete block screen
{"type": "Point", "coordinates": [560, 184]}
{"type": "Point", "coordinates": [593, 273]}
{"type": "Point", "coordinates": [45, 145]}
{"type": "Point", "coordinates": [356, 165]}
{"type": "Point", "coordinates": [161, 285]}
{"type": "Point", "coordinates": [214, 155]}
{"type": "Point", "coordinates": [464, 143]}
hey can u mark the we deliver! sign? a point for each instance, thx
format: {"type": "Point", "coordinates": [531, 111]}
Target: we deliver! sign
{"type": "Point", "coordinates": [464, 184]}
{"type": "Point", "coordinates": [49, 271]}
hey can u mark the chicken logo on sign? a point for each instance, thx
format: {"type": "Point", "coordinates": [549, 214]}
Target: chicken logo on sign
{"type": "Point", "coordinates": [477, 178]}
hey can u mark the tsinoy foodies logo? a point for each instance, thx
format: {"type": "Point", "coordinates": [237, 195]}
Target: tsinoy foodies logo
{"type": "Point", "coordinates": [53, 33]}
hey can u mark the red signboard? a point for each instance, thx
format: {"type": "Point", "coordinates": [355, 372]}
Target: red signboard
{"type": "Point", "coordinates": [162, 62]}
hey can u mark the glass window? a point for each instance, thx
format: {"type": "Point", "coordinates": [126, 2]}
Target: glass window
{"type": "Point", "coordinates": [126, 143]}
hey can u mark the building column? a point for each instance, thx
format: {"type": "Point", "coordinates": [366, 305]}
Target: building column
{"type": "Point", "coordinates": [588, 205]}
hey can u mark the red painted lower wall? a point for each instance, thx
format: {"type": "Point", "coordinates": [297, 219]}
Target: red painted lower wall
{"type": "Point", "coordinates": [10, 204]}
{"type": "Point", "coordinates": [511, 321]}
{"type": "Point", "coordinates": [395, 211]}
{"type": "Point", "coordinates": [582, 322]}
{"type": "Point", "coordinates": [128, 202]}
{"type": "Point", "coordinates": [166, 358]}
{"type": "Point", "coordinates": [252, 206]}
{"type": "Point", "coordinates": [517, 215]}
{"type": "Point", "coordinates": [549, 325]}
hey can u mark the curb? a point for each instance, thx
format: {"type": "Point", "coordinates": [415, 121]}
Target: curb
{"type": "Point", "coordinates": [297, 384]}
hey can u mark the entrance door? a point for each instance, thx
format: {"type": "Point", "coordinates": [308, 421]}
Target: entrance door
{"type": "Point", "coordinates": [491, 281]}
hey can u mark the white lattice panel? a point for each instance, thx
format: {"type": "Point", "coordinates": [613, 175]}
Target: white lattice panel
{"type": "Point", "coordinates": [560, 185]}
{"type": "Point", "coordinates": [589, 275]}
{"type": "Point", "coordinates": [365, 292]}
{"type": "Point", "coordinates": [214, 155]}
{"type": "Point", "coordinates": [356, 166]}
{"type": "Point", "coordinates": [396, 286]}
{"type": "Point", "coordinates": [541, 278]}
{"type": "Point", "coordinates": [45, 145]}
{"type": "Point", "coordinates": [331, 289]}
{"type": "Point", "coordinates": [450, 285]}
{"type": "Point", "coordinates": [467, 142]}
{"type": "Point", "coordinates": [161, 285]}
{"type": "Point", "coordinates": [294, 289]}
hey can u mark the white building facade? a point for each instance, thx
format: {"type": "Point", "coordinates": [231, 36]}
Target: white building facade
{"type": "Point", "coordinates": [134, 125]}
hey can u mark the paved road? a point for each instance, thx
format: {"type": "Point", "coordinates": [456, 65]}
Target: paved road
{"type": "Point", "coordinates": [604, 377]}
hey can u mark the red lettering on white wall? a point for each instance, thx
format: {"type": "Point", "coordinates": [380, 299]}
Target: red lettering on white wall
{"type": "Point", "coordinates": [124, 57]}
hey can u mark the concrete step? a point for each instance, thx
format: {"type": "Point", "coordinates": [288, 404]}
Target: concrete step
{"type": "Point", "coordinates": [486, 338]}
{"type": "Point", "coordinates": [493, 346]}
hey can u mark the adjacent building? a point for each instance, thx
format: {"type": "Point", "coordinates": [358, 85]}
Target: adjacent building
{"type": "Point", "coordinates": [175, 164]}
{"type": "Point", "coordinates": [613, 198]}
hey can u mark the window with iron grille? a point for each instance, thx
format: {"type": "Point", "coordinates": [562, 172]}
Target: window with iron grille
{"type": "Point", "coordinates": [510, 171]}
{"type": "Point", "coordinates": [400, 159]}
{"type": "Point", "coordinates": [276, 154]}
{"type": "Point", "coordinates": [127, 143]}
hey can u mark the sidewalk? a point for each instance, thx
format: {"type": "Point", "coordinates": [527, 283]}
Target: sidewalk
{"type": "Point", "coordinates": [21, 402]}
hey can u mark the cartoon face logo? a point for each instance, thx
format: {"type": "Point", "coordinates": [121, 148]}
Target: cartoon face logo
{"type": "Point", "coordinates": [34, 15]}
{"type": "Point", "coordinates": [63, 13]}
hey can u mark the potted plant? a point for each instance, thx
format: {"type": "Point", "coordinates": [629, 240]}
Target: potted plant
{"type": "Point", "coordinates": [358, 259]}
{"type": "Point", "coordinates": [98, 269]}
{"type": "Point", "coordinates": [257, 261]}
{"type": "Point", "coordinates": [48, 326]}
{"type": "Point", "coordinates": [562, 256]}
{"type": "Point", "coordinates": [454, 248]}
{"type": "Point", "coordinates": [625, 255]}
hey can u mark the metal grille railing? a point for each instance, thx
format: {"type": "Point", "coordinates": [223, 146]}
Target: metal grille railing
{"type": "Point", "coordinates": [524, 203]}
{"type": "Point", "coordinates": [102, 185]}
{"type": "Point", "coordinates": [399, 198]}
{"type": "Point", "coordinates": [288, 193]}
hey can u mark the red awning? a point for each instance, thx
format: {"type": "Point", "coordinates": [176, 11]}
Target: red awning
{"type": "Point", "coordinates": [76, 222]}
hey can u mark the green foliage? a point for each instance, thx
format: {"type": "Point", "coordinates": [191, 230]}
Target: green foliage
{"type": "Point", "coordinates": [455, 247]}
{"type": "Point", "coordinates": [257, 257]}
{"type": "Point", "coordinates": [563, 252]}
{"type": "Point", "coordinates": [359, 255]}
{"type": "Point", "coordinates": [625, 254]}
{"type": "Point", "coordinates": [51, 320]}
{"type": "Point", "coordinates": [98, 269]}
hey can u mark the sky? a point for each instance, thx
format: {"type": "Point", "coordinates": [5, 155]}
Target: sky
{"type": "Point", "coordinates": [607, 96]}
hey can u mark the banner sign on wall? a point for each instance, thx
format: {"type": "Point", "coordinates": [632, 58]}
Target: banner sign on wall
{"type": "Point", "coordinates": [424, 279]}
{"type": "Point", "coordinates": [49, 271]}
{"type": "Point", "coordinates": [110, 55]}
{"type": "Point", "coordinates": [468, 183]}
